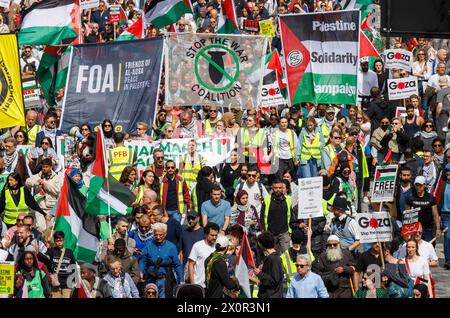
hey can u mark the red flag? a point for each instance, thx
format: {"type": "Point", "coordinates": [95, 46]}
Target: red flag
{"type": "Point", "coordinates": [366, 47]}
{"type": "Point", "coordinates": [100, 167]}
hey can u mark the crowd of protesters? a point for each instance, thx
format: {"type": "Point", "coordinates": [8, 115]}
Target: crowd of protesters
{"type": "Point", "coordinates": [188, 220]}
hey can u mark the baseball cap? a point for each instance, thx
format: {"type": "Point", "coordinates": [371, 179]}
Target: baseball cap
{"type": "Point", "coordinates": [192, 213]}
{"type": "Point", "coordinates": [419, 180]}
{"type": "Point", "coordinates": [222, 241]}
{"type": "Point", "coordinates": [330, 109]}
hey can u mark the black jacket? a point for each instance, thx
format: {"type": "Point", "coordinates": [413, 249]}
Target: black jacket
{"type": "Point", "coordinates": [220, 278]}
{"type": "Point", "coordinates": [271, 277]}
{"type": "Point", "coordinates": [376, 109]}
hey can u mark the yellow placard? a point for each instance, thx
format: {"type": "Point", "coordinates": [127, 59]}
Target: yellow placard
{"type": "Point", "coordinates": [11, 100]}
{"type": "Point", "coordinates": [6, 278]}
{"type": "Point", "coordinates": [266, 27]}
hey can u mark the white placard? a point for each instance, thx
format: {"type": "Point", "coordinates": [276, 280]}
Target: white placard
{"type": "Point", "coordinates": [271, 95]}
{"type": "Point", "coordinates": [5, 3]}
{"type": "Point", "coordinates": [398, 58]}
{"type": "Point", "coordinates": [89, 4]}
{"type": "Point", "coordinates": [374, 227]}
{"type": "Point", "coordinates": [384, 183]}
{"type": "Point", "coordinates": [310, 194]}
{"type": "Point", "coordinates": [400, 88]}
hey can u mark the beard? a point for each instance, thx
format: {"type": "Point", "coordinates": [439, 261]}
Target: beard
{"type": "Point", "coordinates": [334, 254]}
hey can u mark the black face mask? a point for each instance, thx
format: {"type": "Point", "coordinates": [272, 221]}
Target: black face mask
{"type": "Point", "coordinates": [384, 127]}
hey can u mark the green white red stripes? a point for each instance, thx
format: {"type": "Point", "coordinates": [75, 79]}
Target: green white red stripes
{"type": "Point", "coordinates": [106, 196]}
{"type": "Point", "coordinates": [81, 230]}
{"type": "Point", "coordinates": [134, 31]}
{"type": "Point", "coordinates": [165, 12]}
{"type": "Point", "coordinates": [227, 20]}
{"type": "Point", "coordinates": [50, 22]}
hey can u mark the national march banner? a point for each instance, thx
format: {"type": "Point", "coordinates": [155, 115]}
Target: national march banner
{"type": "Point", "coordinates": [374, 227]}
{"type": "Point", "coordinates": [11, 101]}
{"type": "Point", "coordinates": [401, 88]}
{"type": "Point", "coordinates": [214, 69]}
{"type": "Point", "coordinates": [384, 183]}
{"type": "Point", "coordinates": [115, 80]}
{"type": "Point", "coordinates": [410, 223]}
{"type": "Point", "coordinates": [321, 53]}
{"type": "Point", "coordinates": [310, 194]}
{"type": "Point", "coordinates": [215, 151]}
{"type": "Point", "coordinates": [399, 59]}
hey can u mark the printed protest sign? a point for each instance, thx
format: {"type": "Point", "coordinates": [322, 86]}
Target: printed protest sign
{"type": "Point", "coordinates": [374, 227]}
{"type": "Point", "coordinates": [400, 112]}
{"type": "Point", "coordinates": [6, 278]}
{"type": "Point", "coordinates": [310, 194]}
{"type": "Point", "coordinates": [251, 25]}
{"type": "Point", "coordinates": [31, 94]}
{"type": "Point", "coordinates": [402, 87]}
{"type": "Point", "coordinates": [114, 13]}
{"type": "Point", "coordinates": [5, 3]}
{"type": "Point", "coordinates": [384, 183]}
{"type": "Point", "coordinates": [410, 221]}
{"type": "Point", "coordinates": [266, 28]}
{"type": "Point", "coordinates": [398, 58]}
{"type": "Point", "coordinates": [89, 4]}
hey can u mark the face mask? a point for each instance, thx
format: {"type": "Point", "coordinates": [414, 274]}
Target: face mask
{"type": "Point", "coordinates": [384, 127]}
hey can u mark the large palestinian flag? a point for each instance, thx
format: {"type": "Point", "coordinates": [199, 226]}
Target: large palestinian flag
{"type": "Point", "coordinates": [81, 230]}
{"type": "Point", "coordinates": [165, 12]}
{"type": "Point", "coordinates": [106, 195]}
{"type": "Point", "coordinates": [244, 263]}
{"type": "Point", "coordinates": [321, 55]}
{"type": "Point", "coordinates": [50, 22]}
{"type": "Point", "coordinates": [134, 31]}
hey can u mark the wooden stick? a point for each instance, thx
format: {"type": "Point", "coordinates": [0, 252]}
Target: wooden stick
{"type": "Point", "coordinates": [434, 239]}
{"type": "Point", "coordinates": [114, 31]}
{"type": "Point", "coordinates": [382, 256]}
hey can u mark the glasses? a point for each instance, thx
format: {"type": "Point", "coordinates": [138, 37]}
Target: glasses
{"type": "Point", "coordinates": [437, 145]}
{"type": "Point", "coordinates": [346, 171]}
{"type": "Point", "coordinates": [337, 137]}
{"type": "Point", "coordinates": [332, 244]}
{"type": "Point", "coordinates": [159, 158]}
{"type": "Point", "coordinates": [251, 175]}
{"type": "Point", "coordinates": [84, 129]}
{"type": "Point", "coordinates": [301, 265]}
{"type": "Point", "coordinates": [107, 125]}
{"type": "Point", "coordinates": [45, 143]}
{"type": "Point", "coordinates": [170, 131]}
{"type": "Point", "coordinates": [354, 134]}
{"type": "Point", "coordinates": [421, 54]}
{"type": "Point", "coordinates": [170, 168]}
{"type": "Point", "coordinates": [395, 123]}
{"type": "Point", "coordinates": [213, 111]}
{"type": "Point", "coordinates": [428, 126]}
{"type": "Point", "coordinates": [20, 136]}
{"type": "Point", "coordinates": [163, 114]}
{"type": "Point", "coordinates": [139, 128]}
{"type": "Point", "coordinates": [52, 122]}
{"type": "Point", "coordinates": [191, 218]}
{"type": "Point", "coordinates": [385, 123]}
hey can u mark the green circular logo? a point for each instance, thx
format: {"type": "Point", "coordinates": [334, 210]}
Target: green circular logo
{"type": "Point", "coordinates": [215, 56]}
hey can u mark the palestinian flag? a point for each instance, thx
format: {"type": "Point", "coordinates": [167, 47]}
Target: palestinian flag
{"type": "Point", "coordinates": [165, 12]}
{"type": "Point", "coordinates": [321, 56]}
{"type": "Point", "coordinates": [134, 31]}
{"type": "Point", "coordinates": [244, 263]}
{"type": "Point", "coordinates": [123, 23]}
{"type": "Point", "coordinates": [371, 32]}
{"type": "Point", "coordinates": [81, 230]}
{"type": "Point", "coordinates": [50, 22]}
{"type": "Point", "coordinates": [83, 291]}
{"type": "Point", "coordinates": [227, 20]}
{"type": "Point", "coordinates": [52, 71]}
{"type": "Point", "coordinates": [386, 173]}
{"type": "Point", "coordinates": [366, 48]}
{"type": "Point", "coordinates": [106, 195]}
{"type": "Point", "coordinates": [274, 63]}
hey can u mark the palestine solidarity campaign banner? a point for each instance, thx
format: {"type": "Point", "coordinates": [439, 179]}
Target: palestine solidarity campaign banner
{"type": "Point", "coordinates": [116, 80]}
{"type": "Point", "coordinates": [321, 52]}
{"type": "Point", "coordinates": [214, 69]}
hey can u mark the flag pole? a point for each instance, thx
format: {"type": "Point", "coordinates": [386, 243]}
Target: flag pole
{"type": "Point", "coordinates": [109, 207]}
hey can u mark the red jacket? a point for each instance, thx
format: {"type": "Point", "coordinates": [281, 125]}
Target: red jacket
{"type": "Point", "coordinates": [164, 189]}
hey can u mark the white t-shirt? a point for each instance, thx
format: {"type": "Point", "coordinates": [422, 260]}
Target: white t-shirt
{"type": "Point", "coordinates": [254, 195]}
{"type": "Point", "coordinates": [199, 253]}
{"type": "Point", "coordinates": [284, 147]}
{"type": "Point", "coordinates": [426, 250]}
{"type": "Point", "coordinates": [419, 268]}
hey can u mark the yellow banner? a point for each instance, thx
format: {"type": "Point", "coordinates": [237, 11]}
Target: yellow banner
{"type": "Point", "coordinates": [6, 278]}
{"type": "Point", "coordinates": [266, 28]}
{"type": "Point", "coordinates": [11, 101]}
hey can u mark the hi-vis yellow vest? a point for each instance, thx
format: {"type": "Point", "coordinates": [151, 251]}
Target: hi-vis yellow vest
{"type": "Point", "coordinates": [267, 200]}
{"type": "Point", "coordinates": [326, 204]}
{"type": "Point", "coordinates": [289, 265]}
{"type": "Point", "coordinates": [12, 210]}
{"type": "Point", "coordinates": [255, 142]}
{"type": "Point", "coordinates": [276, 140]}
{"type": "Point", "coordinates": [119, 158]}
{"type": "Point", "coordinates": [325, 131]}
{"type": "Point", "coordinates": [190, 171]}
{"type": "Point", "coordinates": [311, 150]}
{"type": "Point", "coordinates": [32, 133]}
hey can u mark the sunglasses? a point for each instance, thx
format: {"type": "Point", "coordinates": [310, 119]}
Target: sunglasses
{"type": "Point", "coordinates": [107, 125]}
{"type": "Point", "coordinates": [170, 168]}
{"type": "Point", "coordinates": [45, 143]}
{"type": "Point", "coordinates": [337, 137]}
{"type": "Point", "coordinates": [354, 134]}
{"type": "Point", "coordinates": [421, 54]}
{"type": "Point", "coordinates": [437, 145]}
{"type": "Point", "coordinates": [159, 158]}
{"type": "Point", "coordinates": [52, 122]}
{"type": "Point", "coordinates": [332, 245]}
{"type": "Point", "coordinates": [429, 126]}
{"type": "Point", "coordinates": [251, 175]}
{"type": "Point", "coordinates": [191, 218]}
{"type": "Point", "coordinates": [163, 115]}
{"type": "Point", "coordinates": [301, 265]}
{"type": "Point", "coordinates": [213, 111]}
{"type": "Point", "coordinates": [84, 129]}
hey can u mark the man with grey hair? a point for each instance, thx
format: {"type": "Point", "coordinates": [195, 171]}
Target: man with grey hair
{"type": "Point", "coordinates": [336, 267]}
{"type": "Point", "coordinates": [159, 260]}
{"type": "Point", "coordinates": [441, 57]}
{"type": "Point", "coordinates": [305, 283]}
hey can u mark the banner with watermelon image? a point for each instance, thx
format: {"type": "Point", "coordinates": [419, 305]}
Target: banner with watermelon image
{"type": "Point", "coordinates": [384, 183]}
{"type": "Point", "coordinates": [321, 52]}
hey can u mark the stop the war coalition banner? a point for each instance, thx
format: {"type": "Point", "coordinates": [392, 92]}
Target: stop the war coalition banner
{"type": "Point", "coordinates": [214, 69]}
{"type": "Point", "coordinates": [321, 52]}
{"type": "Point", "coordinates": [119, 81]}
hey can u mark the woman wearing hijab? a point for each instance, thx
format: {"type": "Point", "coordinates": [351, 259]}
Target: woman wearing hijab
{"type": "Point", "coordinates": [108, 132]}
{"type": "Point", "coordinates": [245, 214]}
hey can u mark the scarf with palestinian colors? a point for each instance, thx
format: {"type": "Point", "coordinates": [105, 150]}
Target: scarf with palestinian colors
{"type": "Point", "coordinates": [215, 256]}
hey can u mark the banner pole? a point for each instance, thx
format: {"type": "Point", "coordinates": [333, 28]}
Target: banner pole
{"type": "Point", "coordinates": [109, 207]}
{"type": "Point", "coordinates": [115, 31]}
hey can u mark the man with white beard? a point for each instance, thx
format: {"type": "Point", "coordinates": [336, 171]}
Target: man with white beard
{"type": "Point", "coordinates": [336, 267]}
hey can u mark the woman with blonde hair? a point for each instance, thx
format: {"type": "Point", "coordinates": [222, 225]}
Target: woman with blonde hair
{"type": "Point", "coordinates": [309, 149]}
